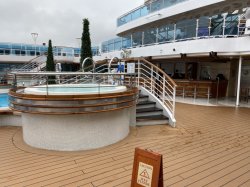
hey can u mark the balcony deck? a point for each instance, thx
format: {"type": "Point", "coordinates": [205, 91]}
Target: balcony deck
{"type": "Point", "coordinates": [209, 147]}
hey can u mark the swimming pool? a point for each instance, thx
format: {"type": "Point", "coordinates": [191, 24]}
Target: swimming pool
{"type": "Point", "coordinates": [4, 100]}
{"type": "Point", "coordinates": [74, 89]}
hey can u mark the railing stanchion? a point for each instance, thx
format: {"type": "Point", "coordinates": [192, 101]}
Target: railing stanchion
{"type": "Point", "coordinates": [152, 76]}
{"type": "Point", "coordinates": [47, 85]}
{"type": "Point", "coordinates": [174, 93]}
{"type": "Point", "coordinates": [163, 89]}
{"type": "Point", "coordinates": [139, 67]}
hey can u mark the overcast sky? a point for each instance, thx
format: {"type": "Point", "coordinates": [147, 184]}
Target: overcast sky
{"type": "Point", "coordinates": [60, 20]}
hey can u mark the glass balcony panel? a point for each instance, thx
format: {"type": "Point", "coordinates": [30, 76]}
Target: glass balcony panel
{"type": "Point", "coordinates": [166, 33]}
{"type": "Point", "coordinates": [16, 46]}
{"type": "Point", "coordinates": [186, 29]}
{"type": "Point", "coordinates": [126, 42]}
{"type": "Point", "coordinates": [5, 46]}
{"type": "Point", "coordinates": [203, 29]}
{"type": "Point", "coordinates": [145, 10]}
{"type": "Point", "coordinates": [105, 47]}
{"type": "Point", "coordinates": [111, 45]}
{"type": "Point", "coordinates": [217, 25]}
{"type": "Point", "coordinates": [125, 19]}
{"type": "Point", "coordinates": [135, 14]}
{"type": "Point", "coordinates": [170, 32]}
{"type": "Point", "coordinates": [30, 47]}
{"type": "Point", "coordinates": [156, 5]}
{"type": "Point", "coordinates": [137, 39]}
{"type": "Point", "coordinates": [162, 34]}
{"type": "Point", "coordinates": [150, 36]}
{"type": "Point", "coordinates": [118, 44]}
{"type": "Point", "coordinates": [232, 22]}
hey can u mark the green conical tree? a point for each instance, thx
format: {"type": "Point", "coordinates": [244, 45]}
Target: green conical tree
{"type": "Point", "coordinates": [50, 66]}
{"type": "Point", "coordinates": [86, 44]}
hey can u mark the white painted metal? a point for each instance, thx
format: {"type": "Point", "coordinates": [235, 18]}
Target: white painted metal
{"type": "Point", "coordinates": [239, 80]}
{"type": "Point", "coordinates": [85, 60]}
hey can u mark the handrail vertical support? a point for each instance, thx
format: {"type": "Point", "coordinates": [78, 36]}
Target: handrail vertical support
{"type": "Point", "coordinates": [138, 70]}
{"type": "Point", "coordinates": [163, 89]}
{"type": "Point", "coordinates": [47, 79]}
{"type": "Point", "coordinates": [152, 75]}
{"type": "Point", "coordinates": [174, 94]}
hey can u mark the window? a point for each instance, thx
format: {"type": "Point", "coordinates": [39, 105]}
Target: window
{"type": "Point", "coordinates": [32, 53]}
{"type": "Point", "coordinates": [17, 52]}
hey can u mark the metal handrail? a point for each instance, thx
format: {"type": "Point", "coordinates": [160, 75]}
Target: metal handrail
{"type": "Point", "coordinates": [155, 80]}
{"type": "Point", "coordinates": [32, 64]}
{"type": "Point", "coordinates": [85, 60]}
{"type": "Point", "coordinates": [110, 62]}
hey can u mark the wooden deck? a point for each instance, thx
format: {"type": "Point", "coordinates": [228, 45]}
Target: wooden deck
{"type": "Point", "coordinates": [209, 147]}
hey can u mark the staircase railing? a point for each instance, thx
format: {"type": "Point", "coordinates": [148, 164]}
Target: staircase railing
{"type": "Point", "coordinates": [155, 81]}
{"type": "Point", "coordinates": [34, 65]}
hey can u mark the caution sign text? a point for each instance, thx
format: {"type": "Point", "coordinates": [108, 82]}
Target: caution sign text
{"type": "Point", "coordinates": [145, 173]}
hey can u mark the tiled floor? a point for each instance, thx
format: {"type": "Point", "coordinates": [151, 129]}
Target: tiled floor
{"type": "Point", "coordinates": [209, 147]}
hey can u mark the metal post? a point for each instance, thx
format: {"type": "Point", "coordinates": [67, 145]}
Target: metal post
{"type": "Point", "coordinates": [138, 70]}
{"type": "Point", "coordinates": [34, 36]}
{"type": "Point", "coordinates": [131, 40]}
{"type": "Point", "coordinates": [239, 20]}
{"type": "Point", "coordinates": [47, 85]}
{"type": "Point", "coordinates": [239, 80]}
{"type": "Point", "coordinates": [174, 32]}
{"type": "Point", "coordinates": [157, 34]}
{"type": "Point", "coordinates": [209, 26]}
{"type": "Point", "coordinates": [163, 88]}
{"type": "Point", "coordinates": [152, 74]}
{"type": "Point", "coordinates": [143, 36]}
{"type": "Point", "coordinates": [197, 28]}
{"type": "Point", "coordinates": [224, 25]}
{"type": "Point", "coordinates": [174, 93]}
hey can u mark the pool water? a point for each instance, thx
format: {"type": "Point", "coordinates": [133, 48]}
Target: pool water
{"type": "Point", "coordinates": [74, 89]}
{"type": "Point", "coordinates": [4, 100]}
{"type": "Point", "coordinates": [77, 89]}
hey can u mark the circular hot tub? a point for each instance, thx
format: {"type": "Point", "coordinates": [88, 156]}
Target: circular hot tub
{"type": "Point", "coordinates": [74, 89]}
{"type": "Point", "coordinates": [74, 117]}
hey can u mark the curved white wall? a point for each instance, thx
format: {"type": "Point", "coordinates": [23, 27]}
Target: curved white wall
{"type": "Point", "coordinates": [75, 132]}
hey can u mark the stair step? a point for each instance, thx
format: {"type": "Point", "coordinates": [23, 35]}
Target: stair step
{"type": "Point", "coordinates": [151, 120]}
{"type": "Point", "coordinates": [146, 102]}
{"type": "Point", "coordinates": [151, 109]}
{"type": "Point", "coordinates": [143, 98]}
{"type": "Point", "coordinates": [157, 117]}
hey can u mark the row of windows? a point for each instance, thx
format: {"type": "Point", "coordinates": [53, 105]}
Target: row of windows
{"type": "Point", "coordinates": [29, 50]}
